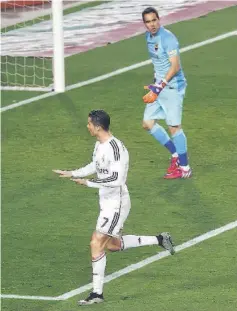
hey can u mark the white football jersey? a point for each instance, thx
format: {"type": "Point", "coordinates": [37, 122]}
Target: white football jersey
{"type": "Point", "coordinates": [110, 162]}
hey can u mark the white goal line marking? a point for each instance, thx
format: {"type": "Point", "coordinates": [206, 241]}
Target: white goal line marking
{"type": "Point", "coordinates": [132, 267]}
{"type": "Point", "coordinates": [117, 72]}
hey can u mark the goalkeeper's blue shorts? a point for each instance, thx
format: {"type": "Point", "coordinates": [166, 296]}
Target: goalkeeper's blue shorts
{"type": "Point", "coordinates": [168, 107]}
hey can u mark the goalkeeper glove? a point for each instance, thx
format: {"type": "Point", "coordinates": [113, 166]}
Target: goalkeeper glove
{"type": "Point", "coordinates": [155, 90]}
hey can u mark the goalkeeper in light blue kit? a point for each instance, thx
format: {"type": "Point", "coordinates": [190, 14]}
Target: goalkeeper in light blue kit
{"type": "Point", "coordinates": [164, 99]}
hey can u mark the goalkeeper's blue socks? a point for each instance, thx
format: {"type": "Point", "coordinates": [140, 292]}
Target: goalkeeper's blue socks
{"type": "Point", "coordinates": [160, 134]}
{"type": "Point", "coordinates": [180, 142]}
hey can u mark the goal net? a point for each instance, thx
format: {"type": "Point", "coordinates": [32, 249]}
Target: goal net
{"type": "Point", "coordinates": [32, 56]}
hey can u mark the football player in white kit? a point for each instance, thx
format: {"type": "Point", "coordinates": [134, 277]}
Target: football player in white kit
{"type": "Point", "coordinates": [110, 163]}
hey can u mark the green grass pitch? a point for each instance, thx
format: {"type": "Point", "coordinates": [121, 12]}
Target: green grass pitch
{"type": "Point", "coordinates": [47, 222]}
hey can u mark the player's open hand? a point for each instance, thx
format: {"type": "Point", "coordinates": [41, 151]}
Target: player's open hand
{"type": "Point", "coordinates": [63, 173]}
{"type": "Point", "coordinates": [79, 181]}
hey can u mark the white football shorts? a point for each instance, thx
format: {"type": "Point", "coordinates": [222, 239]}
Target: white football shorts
{"type": "Point", "coordinates": [113, 214]}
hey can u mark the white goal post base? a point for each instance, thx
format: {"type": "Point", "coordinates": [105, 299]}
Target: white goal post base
{"type": "Point", "coordinates": [27, 88]}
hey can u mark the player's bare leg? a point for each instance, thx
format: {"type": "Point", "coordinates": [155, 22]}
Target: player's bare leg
{"type": "Point", "coordinates": [97, 244]}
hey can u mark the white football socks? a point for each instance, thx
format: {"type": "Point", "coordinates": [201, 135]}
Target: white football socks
{"type": "Point", "coordinates": [98, 267]}
{"type": "Point", "coordinates": [129, 241]}
{"type": "Point", "coordinates": [185, 168]}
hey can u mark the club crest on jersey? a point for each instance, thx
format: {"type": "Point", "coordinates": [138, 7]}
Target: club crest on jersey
{"type": "Point", "coordinates": [156, 47]}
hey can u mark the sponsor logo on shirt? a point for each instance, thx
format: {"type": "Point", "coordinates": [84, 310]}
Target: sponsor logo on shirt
{"type": "Point", "coordinates": [103, 171]}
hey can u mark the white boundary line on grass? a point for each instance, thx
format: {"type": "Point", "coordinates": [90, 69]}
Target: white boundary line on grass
{"type": "Point", "coordinates": [117, 72]}
{"type": "Point", "coordinates": [132, 267]}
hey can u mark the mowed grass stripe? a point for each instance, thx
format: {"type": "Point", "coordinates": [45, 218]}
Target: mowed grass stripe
{"type": "Point", "coordinates": [117, 72]}
{"type": "Point", "coordinates": [131, 268]}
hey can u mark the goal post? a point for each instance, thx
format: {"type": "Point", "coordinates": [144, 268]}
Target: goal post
{"type": "Point", "coordinates": [32, 46]}
{"type": "Point", "coordinates": [58, 45]}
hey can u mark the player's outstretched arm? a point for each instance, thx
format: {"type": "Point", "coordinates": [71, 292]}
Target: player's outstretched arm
{"type": "Point", "coordinates": [115, 179]}
{"type": "Point", "coordinates": [81, 172]}
{"type": "Point", "coordinates": [87, 170]}
{"type": "Point", "coordinates": [80, 181]}
{"type": "Point", "coordinates": [62, 173]}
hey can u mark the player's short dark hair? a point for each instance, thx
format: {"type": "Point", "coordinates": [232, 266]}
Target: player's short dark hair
{"type": "Point", "coordinates": [100, 118]}
{"type": "Point", "coordinates": [148, 11]}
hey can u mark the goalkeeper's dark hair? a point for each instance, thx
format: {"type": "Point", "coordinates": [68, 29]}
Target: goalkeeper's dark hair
{"type": "Point", "coordinates": [100, 118]}
{"type": "Point", "coordinates": [148, 11]}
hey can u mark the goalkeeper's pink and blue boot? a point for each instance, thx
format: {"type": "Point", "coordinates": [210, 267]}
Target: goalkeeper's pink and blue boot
{"type": "Point", "coordinates": [179, 172]}
{"type": "Point", "coordinates": [174, 163]}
